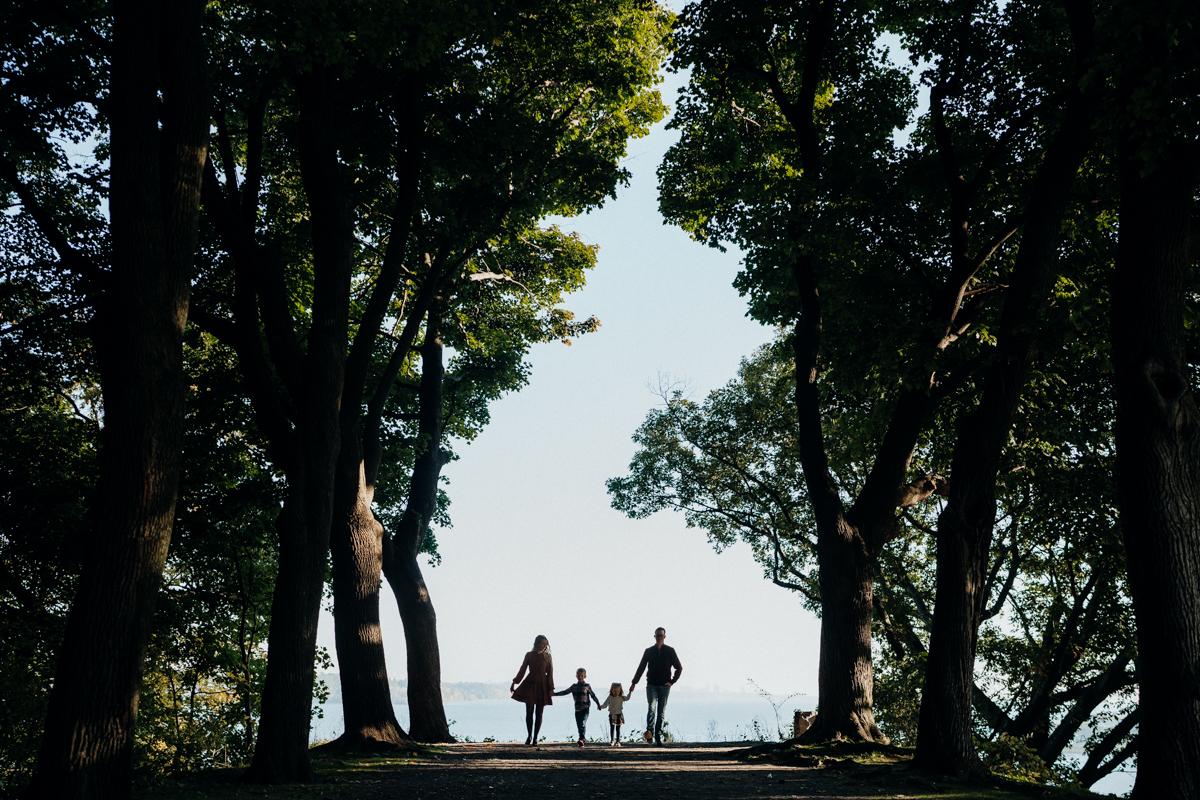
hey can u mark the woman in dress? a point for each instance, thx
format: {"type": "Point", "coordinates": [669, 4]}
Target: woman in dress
{"type": "Point", "coordinates": [537, 687]}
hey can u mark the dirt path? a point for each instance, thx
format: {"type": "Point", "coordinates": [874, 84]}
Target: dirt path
{"type": "Point", "coordinates": [686, 771]}
{"type": "Point", "coordinates": [564, 770]}
{"type": "Point", "coordinates": [514, 772]}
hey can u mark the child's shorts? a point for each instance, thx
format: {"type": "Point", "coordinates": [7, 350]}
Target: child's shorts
{"type": "Point", "coordinates": [616, 719]}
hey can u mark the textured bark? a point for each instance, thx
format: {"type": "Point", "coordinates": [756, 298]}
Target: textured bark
{"type": "Point", "coordinates": [945, 734]}
{"type": "Point", "coordinates": [426, 713]}
{"type": "Point", "coordinates": [86, 749]}
{"type": "Point", "coordinates": [845, 676]}
{"type": "Point", "coordinates": [357, 550]}
{"type": "Point", "coordinates": [848, 540]}
{"type": "Point", "coordinates": [845, 673]}
{"type": "Point", "coordinates": [281, 753]}
{"type": "Point", "coordinates": [964, 536]}
{"type": "Point", "coordinates": [1158, 456]}
{"type": "Point", "coordinates": [427, 716]}
{"type": "Point", "coordinates": [310, 452]}
{"type": "Point", "coordinates": [356, 542]}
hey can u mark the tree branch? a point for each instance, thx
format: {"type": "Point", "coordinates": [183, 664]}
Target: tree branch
{"type": "Point", "coordinates": [71, 257]}
{"type": "Point", "coordinates": [390, 272]}
{"type": "Point", "coordinates": [1096, 767]}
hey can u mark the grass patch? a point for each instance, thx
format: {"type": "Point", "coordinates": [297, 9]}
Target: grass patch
{"type": "Point", "coordinates": [862, 764]}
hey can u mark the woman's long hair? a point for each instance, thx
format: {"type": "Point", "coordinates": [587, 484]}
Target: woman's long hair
{"type": "Point", "coordinates": [540, 640]}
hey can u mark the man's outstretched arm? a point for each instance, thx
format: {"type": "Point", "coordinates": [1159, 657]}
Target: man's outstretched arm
{"type": "Point", "coordinates": [641, 668]}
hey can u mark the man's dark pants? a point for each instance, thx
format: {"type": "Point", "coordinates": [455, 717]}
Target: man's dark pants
{"type": "Point", "coordinates": [656, 697]}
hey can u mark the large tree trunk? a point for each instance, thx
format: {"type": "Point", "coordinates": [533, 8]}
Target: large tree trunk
{"type": "Point", "coordinates": [845, 676]}
{"type": "Point", "coordinates": [945, 732]}
{"type": "Point", "coordinates": [310, 464]}
{"type": "Point", "coordinates": [357, 550]}
{"type": "Point", "coordinates": [86, 749]}
{"type": "Point", "coordinates": [356, 537]}
{"type": "Point", "coordinates": [1158, 458]}
{"type": "Point", "coordinates": [281, 754]}
{"type": "Point", "coordinates": [427, 716]}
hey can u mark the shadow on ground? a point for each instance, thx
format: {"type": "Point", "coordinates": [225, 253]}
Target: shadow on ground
{"type": "Point", "coordinates": [502, 771]}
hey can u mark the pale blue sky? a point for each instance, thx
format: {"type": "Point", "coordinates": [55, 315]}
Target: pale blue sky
{"type": "Point", "coordinates": [535, 547]}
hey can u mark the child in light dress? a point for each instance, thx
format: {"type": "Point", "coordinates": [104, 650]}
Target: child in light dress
{"type": "Point", "coordinates": [615, 702]}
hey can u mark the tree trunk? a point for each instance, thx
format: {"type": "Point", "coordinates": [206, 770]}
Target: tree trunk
{"type": "Point", "coordinates": [427, 717]}
{"type": "Point", "coordinates": [945, 730]}
{"type": "Point", "coordinates": [1158, 460]}
{"type": "Point", "coordinates": [281, 753]}
{"type": "Point", "coordinates": [86, 749]}
{"type": "Point", "coordinates": [426, 714]}
{"type": "Point", "coordinates": [357, 550]}
{"type": "Point", "coordinates": [945, 734]}
{"type": "Point", "coordinates": [356, 536]}
{"type": "Point", "coordinates": [845, 673]}
{"type": "Point", "coordinates": [311, 454]}
{"type": "Point", "coordinates": [845, 676]}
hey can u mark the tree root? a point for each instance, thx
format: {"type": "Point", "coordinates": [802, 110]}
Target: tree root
{"type": "Point", "coordinates": [365, 744]}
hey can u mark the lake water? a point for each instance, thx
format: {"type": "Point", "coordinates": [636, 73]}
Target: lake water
{"type": "Point", "coordinates": [692, 717]}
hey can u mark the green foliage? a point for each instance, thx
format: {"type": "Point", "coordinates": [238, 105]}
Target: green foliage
{"type": "Point", "coordinates": [1012, 758]}
{"type": "Point", "coordinates": [897, 696]}
{"type": "Point", "coordinates": [205, 661]}
{"type": "Point", "coordinates": [509, 115]}
{"type": "Point", "coordinates": [729, 465]}
{"type": "Point", "coordinates": [47, 463]}
{"type": "Point", "coordinates": [898, 205]}
{"type": "Point", "coordinates": [518, 111]}
{"type": "Point", "coordinates": [207, 658]}
{"type": "Point", "coordinates": [735, 175]}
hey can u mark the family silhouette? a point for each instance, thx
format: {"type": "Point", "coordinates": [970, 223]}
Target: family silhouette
{"type": "Point", "coordinates": [534, 686]}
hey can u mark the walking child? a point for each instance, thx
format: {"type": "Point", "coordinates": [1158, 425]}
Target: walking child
{"type": "Point", "coordinates": [581, 690]}
{"type": "Point", "coordinates": [615, 702]}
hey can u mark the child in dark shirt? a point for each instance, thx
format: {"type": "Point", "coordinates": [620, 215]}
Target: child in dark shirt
{"type": "Point", "coordinates": [581, 690]}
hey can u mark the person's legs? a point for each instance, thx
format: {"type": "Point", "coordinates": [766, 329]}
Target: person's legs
{"type": "Point", "coordinates": [651, 697]}
{"type": "Point", "coordinates": [663, 693]}
{"type": "Point", "coordinates": [528, 723]}
{"type": "Point", "coordinates": [612, 731]}
{"type": "Point", "coordinates": [537, 722]}
{"type": "Point", "coordinates": [581, 723]}
{"type": "Point", "coordinates": [617, 736]}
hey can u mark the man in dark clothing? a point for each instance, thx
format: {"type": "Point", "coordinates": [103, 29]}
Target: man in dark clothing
{"type": "Point", "coordinates": [658, 662]}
